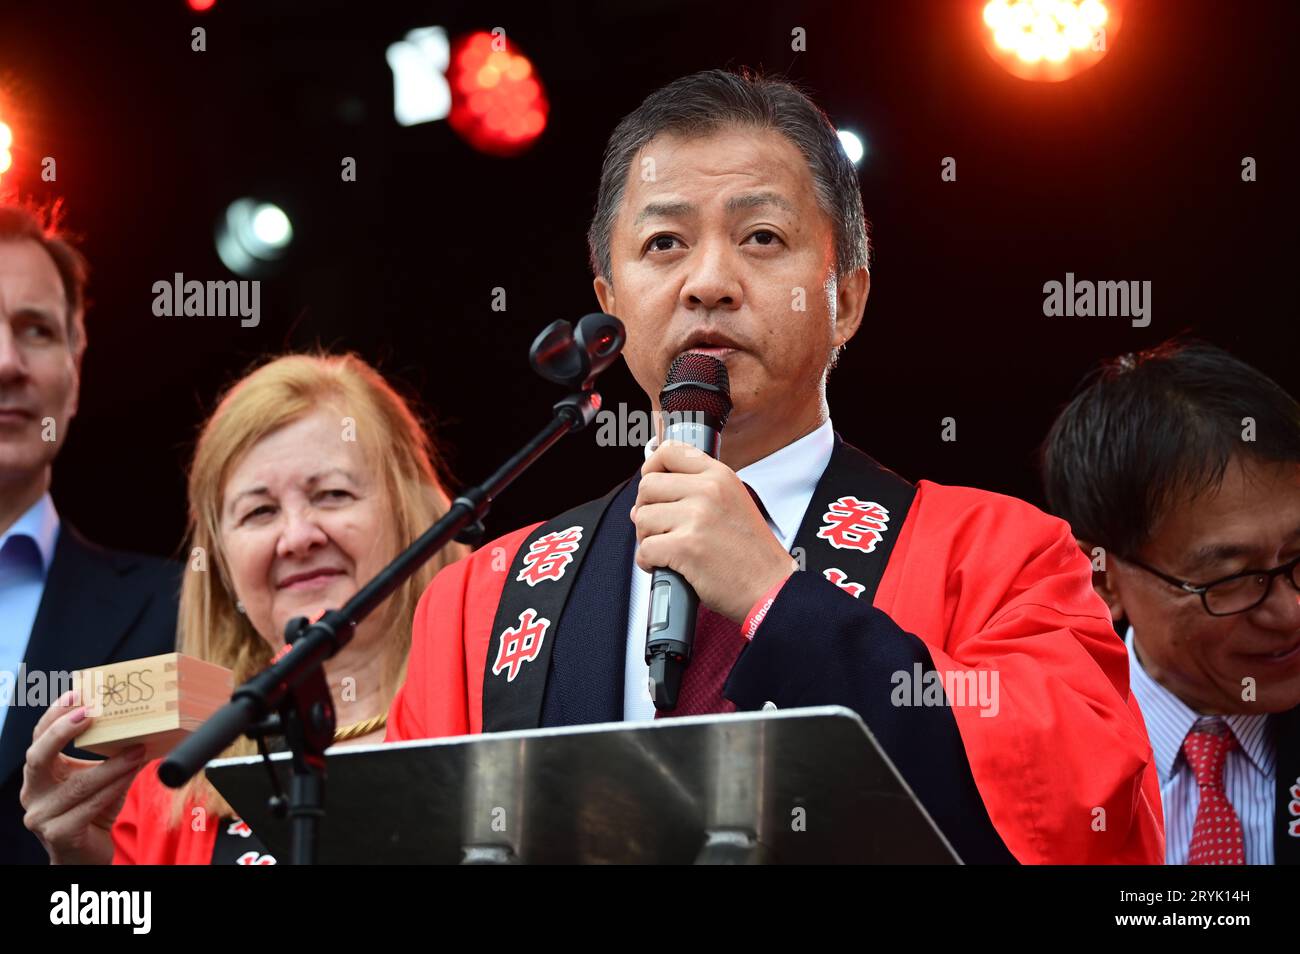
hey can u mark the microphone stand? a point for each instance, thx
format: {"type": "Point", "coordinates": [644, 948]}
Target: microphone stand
{"type": "Point", "coordinates": [291, 696]}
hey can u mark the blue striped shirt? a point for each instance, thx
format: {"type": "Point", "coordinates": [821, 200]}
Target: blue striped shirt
{"type": "Point", "coordinates": [1248, 774]}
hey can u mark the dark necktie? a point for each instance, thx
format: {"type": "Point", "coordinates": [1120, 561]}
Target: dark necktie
{"type": "Point", "coordinates": [717, 647]}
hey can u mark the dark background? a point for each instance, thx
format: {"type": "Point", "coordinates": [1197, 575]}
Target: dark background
{"type": "Point", "coordinates": [1129, 171]}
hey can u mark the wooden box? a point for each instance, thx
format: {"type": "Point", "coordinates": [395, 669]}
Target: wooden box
{"type": "Point", "coordinates": [156, 701]}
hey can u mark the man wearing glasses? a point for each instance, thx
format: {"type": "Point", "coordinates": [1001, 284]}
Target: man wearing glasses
{"type": "Point", "coordinates": [1179, 471]}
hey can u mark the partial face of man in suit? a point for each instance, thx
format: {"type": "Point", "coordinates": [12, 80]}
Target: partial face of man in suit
{"type": "Point", "coordinates": [1247, 662]}
{"type": "Point", "coordinates": [39, 373]}
{"type": "Point", "coordinates": [725, 249]}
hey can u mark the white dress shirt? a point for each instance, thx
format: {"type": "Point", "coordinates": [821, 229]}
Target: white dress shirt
{"type": "Point", "coordinates": [784, 480]}
{"type": "Point", "coordinates": [26, 550]}
{"type": "Point", "coordinates": [1248, 774]}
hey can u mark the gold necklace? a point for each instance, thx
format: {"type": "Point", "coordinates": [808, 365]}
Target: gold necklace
{"type": "Point", "coordinates": [358, 729]}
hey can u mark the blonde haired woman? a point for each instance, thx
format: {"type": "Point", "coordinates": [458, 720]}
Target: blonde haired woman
{"type": "Point", "coordinates": [310, 476]}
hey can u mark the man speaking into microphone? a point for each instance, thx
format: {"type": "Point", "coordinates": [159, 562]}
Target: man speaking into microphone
{"type": "Point", "coordinates": [961, 625]}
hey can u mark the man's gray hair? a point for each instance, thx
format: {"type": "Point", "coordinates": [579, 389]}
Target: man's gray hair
{"type": "Point", "coordinates": [42, 224]}
{"type": "Point", "coordinates": [702, 103]}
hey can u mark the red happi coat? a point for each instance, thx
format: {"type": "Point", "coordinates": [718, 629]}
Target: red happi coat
{"type": "Point", "coordinates": [142, 835]}
{"type": "Point", "coordinates": [1065, 769]}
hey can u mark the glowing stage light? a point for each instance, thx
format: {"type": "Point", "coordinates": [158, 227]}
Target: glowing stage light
{"type": "Point", "coordinates": [1049, 40]}
{"type": "Point", "coordinates": [498, 104]}
{"type": "Point", "coordinates": [271, 226]}
{"type": "Point", "coordinates": [201, 6]}
{"type": "Point", "coordinates": [6, 140]}
{"type": "Point", "coordinates": [419, 64]}
{"type": "Point", "coordinates": [253, 236]}
{"type": "Point", "coordinates": [853, 147]}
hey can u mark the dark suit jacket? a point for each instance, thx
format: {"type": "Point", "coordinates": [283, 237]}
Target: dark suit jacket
{"type": "Point", "coordinates": [99, 606]}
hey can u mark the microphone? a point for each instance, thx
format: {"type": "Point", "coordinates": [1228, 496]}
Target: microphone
{"type": "Point", "coordinates": [696, 402]}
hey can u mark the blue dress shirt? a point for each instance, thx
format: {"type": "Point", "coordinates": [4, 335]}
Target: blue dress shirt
{"type": "Point", "coordinates": [26, 551]}
{"type": "Point", "coordinates": [1248, 775]}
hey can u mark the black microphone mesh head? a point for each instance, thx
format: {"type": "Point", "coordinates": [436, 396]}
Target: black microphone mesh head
{"type": "Point", "coordinates": [697, 384]}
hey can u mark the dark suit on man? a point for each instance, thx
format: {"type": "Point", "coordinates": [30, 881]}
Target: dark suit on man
{"type": "Point", "coordinates": [98, 606]}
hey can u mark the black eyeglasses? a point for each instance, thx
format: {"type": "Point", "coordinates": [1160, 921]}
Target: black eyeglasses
{"type": "Point", "coordinates": [1231, 594]}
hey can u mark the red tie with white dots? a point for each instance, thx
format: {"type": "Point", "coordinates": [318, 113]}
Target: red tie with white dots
{"type": "Point", "coordinates": [1217, 838]}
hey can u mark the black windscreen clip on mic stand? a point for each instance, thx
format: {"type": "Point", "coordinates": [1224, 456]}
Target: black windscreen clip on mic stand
{"type": "Point", "coordinates": [291, 696]}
